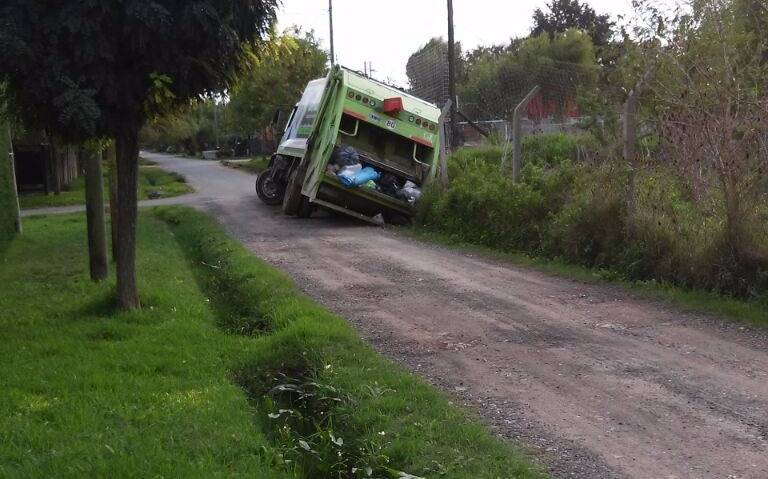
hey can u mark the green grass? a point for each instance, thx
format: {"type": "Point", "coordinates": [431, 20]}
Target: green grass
{"type": "Point", "coordinates": [749, 312]}
{"type": "Point", "coordinates": [152, 179]}
{"type": "Point", "coordinates": [184, 387]}
{"type": "Point", "coordinates": [254, 165]}
{"type": "Point", "coordinates": [86, 392]}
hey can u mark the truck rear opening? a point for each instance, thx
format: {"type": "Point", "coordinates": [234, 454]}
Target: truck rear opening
{"type": "Point", "coordinates": [398, 160]}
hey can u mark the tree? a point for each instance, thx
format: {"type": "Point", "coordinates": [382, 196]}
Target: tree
{"type": "Point", "coordinates": [275, 78]}
{"type": "Point", "coordinates": [427, 71]}
{"type": "Point", "coordinates": [498, 79]}
{"type": "Point", "coordinates": [102, 68]}
{"type": "Point", "coordinates": [566, 14]}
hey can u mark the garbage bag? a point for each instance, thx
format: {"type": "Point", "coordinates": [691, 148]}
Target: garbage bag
{"type": "Point", "coordinates": [345, 156]}
{"type": "Point", "coordinates": [390, 184]}
{"type": "Point", "coordinates": [352, 179]}
{"type": "Point", "coordinates": [410, 192]}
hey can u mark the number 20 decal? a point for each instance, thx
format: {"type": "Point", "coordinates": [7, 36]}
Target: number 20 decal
{"type": "Point", "coordinates": [391, 124]}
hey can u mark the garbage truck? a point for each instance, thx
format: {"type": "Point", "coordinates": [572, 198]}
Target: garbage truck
{"type": "Point", "coordinates": [355, 146]}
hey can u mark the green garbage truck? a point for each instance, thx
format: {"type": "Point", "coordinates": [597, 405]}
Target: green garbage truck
{"type": "Point", "coordinates": [355, 146]}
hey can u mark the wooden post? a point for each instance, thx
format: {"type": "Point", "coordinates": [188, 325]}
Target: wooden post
{"type": "Point", "coordinates": [94, 210]}
{"type": "Point", "coordinates": [517, 134]}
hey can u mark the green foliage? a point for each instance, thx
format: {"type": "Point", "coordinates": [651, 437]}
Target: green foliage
{"type": "Point", "coordinates": [327, 402]}
{"type": "Point", "coordinates": [428, 63]}
{"type": "Point", "coordinates": [566, 14]}
{"type": "Point", "coordinates": [484, 206]}
{"type": "Point", "coordinates": [7, 198]}
{"type": "Point", "coordinates": [190, 129]}
{"type": "Point", "coordinates": [498, 79]}
{"type": "Point", "coordinates": [577, 212]}
{"type": "Point", "coordinates": [275, 78]}
{"type": "Point", "coordinates": [100, 65]}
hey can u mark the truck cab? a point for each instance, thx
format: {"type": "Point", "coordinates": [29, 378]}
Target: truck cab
{"type": "Point", "coordinates": [358, 147]}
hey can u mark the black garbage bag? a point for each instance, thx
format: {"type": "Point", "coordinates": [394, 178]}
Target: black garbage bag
{"type": "Point", "coordinates": [345, 156]}
{"type": "Point", "coordinates": [390, 184]}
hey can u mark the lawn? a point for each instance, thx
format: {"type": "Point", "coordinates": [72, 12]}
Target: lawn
{"type": "Point", "coordinates": [227, 371]}
{"type": "Point", "coordinates": [153, 183]}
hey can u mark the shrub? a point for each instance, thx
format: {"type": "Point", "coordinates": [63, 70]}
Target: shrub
{"type": "Point", "coordinates": [577, 212]}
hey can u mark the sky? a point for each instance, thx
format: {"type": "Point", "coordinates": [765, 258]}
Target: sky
{"type": "Point", "coordinates": [387, 32]}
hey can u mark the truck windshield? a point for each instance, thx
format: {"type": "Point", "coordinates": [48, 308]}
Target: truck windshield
{"type": "Point", "coordinates": [306, 111]}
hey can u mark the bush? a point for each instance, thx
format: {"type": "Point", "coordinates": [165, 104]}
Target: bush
{"type": "Point", "coordinates": [577, 212]}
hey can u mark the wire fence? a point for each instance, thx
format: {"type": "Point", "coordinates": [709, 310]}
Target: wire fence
{"type": "Point", "coordinates": [547, 95]}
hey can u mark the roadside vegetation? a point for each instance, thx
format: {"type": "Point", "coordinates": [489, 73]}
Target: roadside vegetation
{"type": "Point", "coordinates": [226, 370]}
{"type": "Point", "coordinates": [569, 216]}
{"type": "Point", "coordinates": [671, 194]}
{"type": "Point", "coordinates": [154, 183]}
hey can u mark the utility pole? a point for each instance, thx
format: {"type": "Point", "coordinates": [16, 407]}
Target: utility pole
{"type": "Point", "coordinates": [452, 75]}
{"type": "Point", "coordinates": [330, 19]}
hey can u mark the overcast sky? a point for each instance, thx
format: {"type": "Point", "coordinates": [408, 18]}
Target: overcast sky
{"type": "Point", "coordinates": [387, 32]}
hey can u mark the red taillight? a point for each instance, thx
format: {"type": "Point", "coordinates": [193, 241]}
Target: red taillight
{"type": "Point", "coordinates": [393, 106]}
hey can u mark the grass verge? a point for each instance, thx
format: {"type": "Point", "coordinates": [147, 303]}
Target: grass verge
{"type": "Point", "coordinates": [154, 183]}
{"type": "Point", "coordinates": [254, 165]}
{"type": "Point", "coordinates": [171, 391]}
{"type": "Point", "coordinates": [331, 406]}
{"type": "Point", "coordinates": [753, 313]}
{"type": "Point", "coordinates": [85, 392]}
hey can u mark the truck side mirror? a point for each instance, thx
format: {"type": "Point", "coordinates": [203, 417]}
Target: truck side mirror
{"type": "Point", "coordinates": [277, 117]}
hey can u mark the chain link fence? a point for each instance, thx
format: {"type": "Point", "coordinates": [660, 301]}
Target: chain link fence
{"type": "Point", "coordinates": [496, 87]}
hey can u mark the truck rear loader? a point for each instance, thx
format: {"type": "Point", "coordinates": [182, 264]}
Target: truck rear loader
{"type": "Point", "coordinates": [346, 129]}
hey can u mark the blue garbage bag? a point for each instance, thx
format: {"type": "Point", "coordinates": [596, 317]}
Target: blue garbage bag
{"type": "Point", "coordinates": [353, 179]}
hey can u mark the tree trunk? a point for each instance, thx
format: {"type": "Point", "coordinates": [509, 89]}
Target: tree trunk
{"type": "Point", "coordinates": [94, 211]}
{"type": "Point", "coordinates": [109, 156]}
{"type": "Point", "coordinates": [734, 219]}
{"type": "Point", "coordinates": [127, 196]}
{"type": "Point", "coordinates": [14, 186]}
{"type": "Point", "coordinates": [56, 172]}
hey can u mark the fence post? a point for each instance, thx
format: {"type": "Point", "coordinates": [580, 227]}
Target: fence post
{"type": "Point", "coordinates": [517, 133]}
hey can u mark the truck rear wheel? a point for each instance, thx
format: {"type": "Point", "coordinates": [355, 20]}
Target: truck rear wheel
{"type": "Point", "coordinates": [268, 190]}
{"type": "Point", "coordinates": [293, 198]}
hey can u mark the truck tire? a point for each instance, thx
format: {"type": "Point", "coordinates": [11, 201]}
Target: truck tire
{"type": "Point", "coordinates": [269, 192]}
{"type": "Point", "coordinates": [305, 208]}
{"type": "Point", "coordinates": [293, 197]}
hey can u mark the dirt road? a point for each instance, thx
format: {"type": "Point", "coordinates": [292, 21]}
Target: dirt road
{"type": "Point", "coordinates": [598, 382]}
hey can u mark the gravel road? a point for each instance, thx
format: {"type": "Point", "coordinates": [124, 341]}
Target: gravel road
{"type": "Point", "coordinates": [596, 381]}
